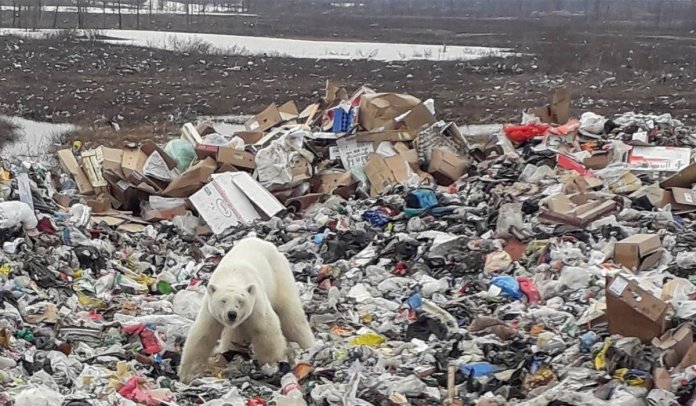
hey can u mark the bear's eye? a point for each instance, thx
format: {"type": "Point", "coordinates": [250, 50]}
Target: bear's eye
{"type": "Point", "coordinates": [223, 301]}
{"type": "Point", "coordinates": [240, 302]}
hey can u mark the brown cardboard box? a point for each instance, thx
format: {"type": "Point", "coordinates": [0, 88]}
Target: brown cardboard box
{"type": "Point", "coordinates": [328, 182]}
{"type": "Point", "coordinates": [684, 197]}
{"type": "Point", "coordinates": [410, 155]}
{"type": "Point", "coordinates": [391, 135]}
{"type": "Point", "coordinates": [236, 158]}
{"type": "Point", "coordinates": [599, 159]}
{"type": "Point", "coordinates": [577, 210]}
{"type": "Point", "coordinates": [249, 137]}
{"type": "Point", "coordinates": [101, 204]}
{"type": "Point", "coordinates": [638, 252]}
{"type": "Point", "coordinates": [634, 312]}
{"type": "Point", "coordinates": [385, 171]}
{"type": "Point", "coordinates": [378, 110]}
{"type": "Point", "coordinates": [112, 160]}
{"type": "Point", "coordinates": [150, 147]}
{"type": "Point", "coordinates": [558, 111]}
{"type": "Point", "coordinates": [127, 197]}
{"type": "Point", "coordinates": [70, 165]}
{"type": "Point", "coordinates": [675, 343]}
{"type": "Point", "coordinates": [272, 116]}
{"type": "Point", "coordinates": [419, 117]}
{"type": "Point", "coordinates": [133, 161]}
{"type": "Point", "coordinates": [446, 166]}
{"type": "Point", "coordinates": [191, 180]}
{"type": "Point", "coordinates": [92, 167]}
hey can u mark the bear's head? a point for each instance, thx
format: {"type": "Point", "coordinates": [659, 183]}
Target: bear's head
{"type": "Point", "coordinates": [231, 306]}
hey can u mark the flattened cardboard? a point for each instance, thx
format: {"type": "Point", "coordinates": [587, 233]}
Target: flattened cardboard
{"type": "Point", "coordinates": [233, 198]}
{"type": "Point", "coordinates": [153, 215]}
{"type": "Point", "coordinates": [236, 158]}
{"type": "Point", "coordinates": [378, 111]}
{"type": "Point", "coordinates": [69, 164]}
{"type": "Point", "coordinates": [661, 159]}
{"type": "Point", "coordinates": [684, 178]}
{"type": "Point", "coordinates": [191, 180]}
{"type": "Point", "coordinates": [639, 251]}
{"type": "Point", "coordinates": [675, 343]}
{"type": "Point", "coordinates": [149, 147]}
{"type": "Point", "coordinates": [272, 116]}
{"type": "Point", "coordinates": [682, 196]}
{"type": "Point", "coordinates": [392, 135]}
{"type": "Point", "coordinates": [190, 133]}
{"type": "Point", "coordinates": [634, 312]}
{"type": "Point", "coordinates": [446, 166]}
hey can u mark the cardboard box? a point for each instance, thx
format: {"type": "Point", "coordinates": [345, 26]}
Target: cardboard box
{"type": "Point", "coordinates": [385, 171]}
{"type": "Point", "coordinates": [272, 116]}
{"type": "Point", "coordinates": [378, 110]}
{"type": "Point", "coordinates": [353, 153]}
{"type": "Point", "coordinates": [69, 164]}
{"type": "Point", "coordinates": [232, 199]}
{"type": "Point", "coordinates": [132, 161]}
{"type": "Point", "coordinates": [446, 166]}
{"type": "Point", "coordinates": [328, 182]}
{"type": "Point", "coordinates": [236, 158]}
{"type": "Point", "coordinates": [249, 137]}
{"type": "Point", "coordinates": [638, 252]}
{"type": "Point", "coordinates": [599, 159]}
{"type": "Point", "coordinates": [101, 204]}
{"type": "Point", "coordinates": [661, 159]}
{"type": "Point", "coordinates": [191, 180]}
{"type": "Point", "coordinates": [418, 118]}
{"type": "Point", "coordinates": [112, 160]}
{"type": "Point", "coordinates": [633, 311]}
{"type": "Point", "coordinates": [684, 198]}
{"type": "Point", "coordinates": [578, 210]}
{"type": "Point", "coordinates": [558, 111]}
{"type": "Point", "coordinates": [684, 178]}
{"type": "Point", "coordinates": [675, 343]}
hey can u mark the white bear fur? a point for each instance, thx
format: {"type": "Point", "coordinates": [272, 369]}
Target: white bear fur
{"type": "Point", "coordinates": [254, 280]}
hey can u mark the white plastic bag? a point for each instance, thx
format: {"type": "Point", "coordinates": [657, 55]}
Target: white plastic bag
{"type": "Point", "coordinates": [15, 213]}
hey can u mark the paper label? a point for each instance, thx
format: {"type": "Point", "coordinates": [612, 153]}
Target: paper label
{"type": "Point", "coordinates": [618, 286]}
{"type": "Point", "coordinates": [353, 153]}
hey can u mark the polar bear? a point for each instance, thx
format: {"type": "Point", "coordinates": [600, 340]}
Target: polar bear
{"type": "Point", "coordinates": [251, 298]}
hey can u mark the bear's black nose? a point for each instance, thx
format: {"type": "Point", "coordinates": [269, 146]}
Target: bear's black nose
{"type": "Point", "coordinates": [232, 315]}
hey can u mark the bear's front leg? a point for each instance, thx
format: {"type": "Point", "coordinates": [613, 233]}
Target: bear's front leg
{"type": "Point", "coordinates": [199, 345]}
{"type": "Point", "coordinates": [270, 346]}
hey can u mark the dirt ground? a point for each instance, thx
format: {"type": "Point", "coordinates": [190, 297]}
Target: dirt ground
{"type": "Point", "coordinates": [151, 92]}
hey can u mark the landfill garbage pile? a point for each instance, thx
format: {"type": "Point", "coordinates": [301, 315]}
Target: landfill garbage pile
{"type": "Point", "coordinates": [545, 262]}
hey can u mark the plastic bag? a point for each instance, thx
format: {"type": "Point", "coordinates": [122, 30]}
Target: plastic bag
{"type": "Point", "coordinates": [275, 163]}
{"type": "Point", "coordinates": [524, 133]}
{"type": "Point", "coordinates": [478, 369]}
{"type": "Point", "coordinates": [182, 152]}
{"type": "Point", "coordinates": [15, 213]}
{"type": "Point", "coordinates": [510, 216]}
{"type": "Point", "coordinates": [187, 303]}
{"type": "Point", "coordinates": [40, 396]}
{"type": "Point", "coordinates": [592, 124]}
{"type": "Point", "coordinates": [509, 287]}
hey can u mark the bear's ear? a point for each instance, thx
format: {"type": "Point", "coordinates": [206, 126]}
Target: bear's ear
{"type": "Point", "coordinates": [251, 289]}
{"type": "Point", "coordinates": [211, 289]}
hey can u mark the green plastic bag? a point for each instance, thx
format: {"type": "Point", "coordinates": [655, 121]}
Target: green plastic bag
{"type": "Point", "coordinates": [182, 152]}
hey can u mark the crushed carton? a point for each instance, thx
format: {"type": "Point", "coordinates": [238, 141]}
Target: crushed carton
{"type": "Point", "coordinates": [578, 210]}
{"type": "Point", "coordinates": [272, 116]}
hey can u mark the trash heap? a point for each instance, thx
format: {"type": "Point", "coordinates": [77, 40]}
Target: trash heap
{"type": "Point", "coordinates": [546, 262]}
